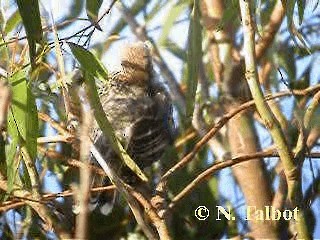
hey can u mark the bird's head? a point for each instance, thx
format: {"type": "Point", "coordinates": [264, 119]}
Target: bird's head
{"type": "Point", "coordinates": [136, 62]}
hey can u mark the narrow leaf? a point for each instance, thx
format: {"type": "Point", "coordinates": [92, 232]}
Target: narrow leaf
{"type": "Point", "coordinates": [175, 50]}
{"type": "Point", "coordinates": [22, 121]}
{"type": "Point", "coordinates": [92, 7]}
{"type": "Point", "coordinates": [94, 69]}
{"type": "Point", "coordinates": [289, 6]}
{"type": "Point", "coordinates": [30, 14]}
{"type": "Point", "coordinates": [301, 7]}
{"type": "Point", "coordinates": [12, 151]}
{"type": "Point", "coordinates": [173, 14]}
{"type": "Point", "coordinates": [16, 124]}
{"type": "Point", "coordinates": [31, 124]}
{"type": "Point", "coordinates": [89, 62]}
{"type": "Point", "coordinates": [194, 56]}
{"type": "Point", "coordinates": [12, 22]}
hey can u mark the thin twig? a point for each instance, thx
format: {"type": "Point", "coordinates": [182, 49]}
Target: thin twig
{"type": "Point", "coordinates": [21, 201]}
{"type": "Point", "coordinates": [56, 125]}
{"type": "Point", "coordinates": [270, 30]}
{"type": "Point", "coordinates": [225, 118]}
{"type": "Point", "coordinates": [221, 165]}
{"type": "Point", "coordinates": [84, 186]}
{"type": "Point", "coordinates": [41, 210]}
{"type": "Point", "coordinates": [69, 161]}
{"type": "Point", "coordinates": [291, 169]}
{"type": "Point", "coordinates": [57, 138]}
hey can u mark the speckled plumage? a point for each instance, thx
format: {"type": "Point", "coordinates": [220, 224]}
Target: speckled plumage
{"type": "Point", "coordinates": [138, 108]}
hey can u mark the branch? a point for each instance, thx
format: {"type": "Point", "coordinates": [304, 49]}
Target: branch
{"type": "Point", "coordinates": [204, 176]}
{"type": "Point", "coordinates": [85, 173]}
{"type": "Point", "coordinates": [132, 196]}
{"type": "Point", "coordinates": [270, 30]}
{"type": "Point", "coordinates": [225, 118]}
{"type": "Point", "coordinates": [19, 201]}
{"type": "Point", "coordinates": [290, 168]}
{"type": "Point", "coordinates": [38, 208]}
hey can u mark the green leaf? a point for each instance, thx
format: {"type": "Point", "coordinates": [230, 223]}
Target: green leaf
{"type": "Point", "coordinates": [12, 22]}
{"type": "Point", "coordinates": [294, 32]}
{"type": "Point", "coordinates": [32, 125]}
{"type": "Point", "coordinates": [173, 14]}
{"type": "Point", "coordinates": [22, 121]}
{"type": "Point", "coordinates": [194, 56]}
{"type": "Point", "coordinates": [286, 60]}
{"type": "Point", "coordinates": [30, 14]}
{"type": "Point", "coordinates": [89, 62]}
{"type": "Point", "coordinates": [230, 15]}
{"type": "Point", "coordinates": [301, 7]}
{"type": "Point", "coordinates": [175, 50]}
{"type": "Point", "coordinates": [11, 151]}
{"type": "Point", "coordinates": [19, 102]}
{"type": "Point", "coordinates": [94, 69]}
{"type": "Point", "coordinates": [289, 7]}
{"type": "Point", "coordinates": [16, 124]}
{"type": "Point", "coordinates": [92, 7]}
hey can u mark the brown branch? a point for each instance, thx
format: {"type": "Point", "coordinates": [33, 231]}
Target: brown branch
{"type": "Point", "coordinates": [270, 30]}
{"type": "Point", "coordinates": [223, 164]}
{"type": "Point", "coordinates": [57, 138]}
{"type": "Point", "coordinates": [21, 201]}
{"type": "Point", "coordinates": [85, 173]}
{"type": "Point", "coordinates": [158, 222]}
{"type": "Point", "coordinates": [225, 118]}
{"type": "Point", "coordinates": [56, 125]}
{"type": "Point", "coordinates": [69, 161]}
{"type": "Point", "coordinates": [41, 210]}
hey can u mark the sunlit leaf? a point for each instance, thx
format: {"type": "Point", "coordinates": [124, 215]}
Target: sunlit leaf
{"type": "Point", "coordinates": [89, 62]}
{"type": "Point", "coordinates": [31, 124]}
{"type": "Point", "coordinates": [194, 56]}
{"type": "Point", "coordinates": [30, 14]}
{"type": "Point", "coordinates": [16, 123]}
{"type": "Point", "coordinates": [22, 121]}
{"type": "Point", "coordinates": [294, 32]}
{"type": "Point", "coordinates": [12, 22]}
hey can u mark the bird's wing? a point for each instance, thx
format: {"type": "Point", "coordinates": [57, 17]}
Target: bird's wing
{"type": "Point", "coordinates": [150, 134]}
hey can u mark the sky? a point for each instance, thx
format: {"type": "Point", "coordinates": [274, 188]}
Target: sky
{"type": "Point", "coordinates": [61, 7]}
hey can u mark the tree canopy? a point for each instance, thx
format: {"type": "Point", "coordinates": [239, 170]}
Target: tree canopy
{"type": "Point", "coordinates": [243, 78]}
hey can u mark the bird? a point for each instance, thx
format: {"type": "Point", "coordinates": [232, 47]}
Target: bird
{"type": "Point", "coordinates": [139, 109]}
